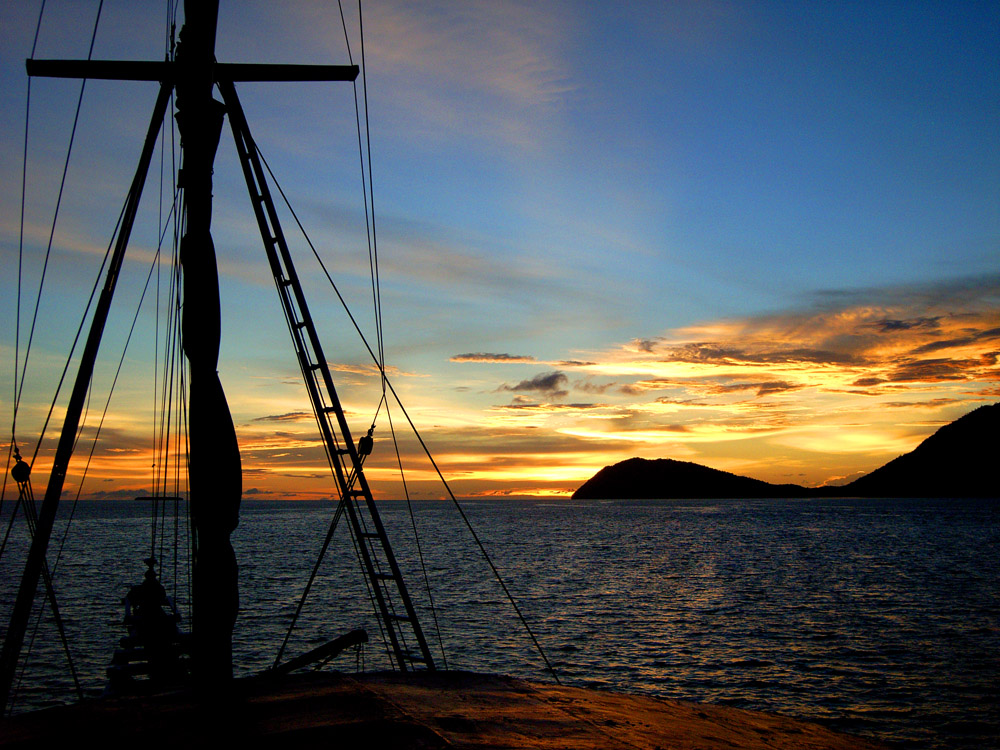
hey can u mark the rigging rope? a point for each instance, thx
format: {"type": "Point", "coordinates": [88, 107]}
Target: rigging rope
{"type": "Point", "coordinates": [423, 445]}
{"type": "Point", "coordinates": [20, 259]}
{"type": "Point", "coordinates": [20, 262]}
{"type": "Point", "coordinates": [19, 382]}
{"type": "Point", "coordinates": [367, 190]}
{"type": "Point", "coordinates": [55, 217]}
{"type": "Point", "coordinates": [76, 339]}
{"type": "Point", "coordinates": [371, 193]}
{"type": "Point", "coordinates": [367, 183]}
{"type": "Point", "coordinates": [73, 507]}
{"type": "Point", "coordinates": [351, 478]}
{"type": "Point", "coordinates": [171, 334]}
{"type": "Point", "coordinates": [416, 536]}
{"type": "Point", "coordinates": [31, 518]}
{"type": "Point", "coordinates": [107, 406]}
{"type": "Point", "coordinates": [159, 511]}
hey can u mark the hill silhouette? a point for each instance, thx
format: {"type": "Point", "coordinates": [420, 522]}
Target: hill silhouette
{"type": "Point", "coordinates": [956, 461]}
{"type": "Point", "coordinates": [959, 460]}
{"type": "Point", "coordinates": [643, 478]}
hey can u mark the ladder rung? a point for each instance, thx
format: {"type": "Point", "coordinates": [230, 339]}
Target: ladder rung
{"type": "Point", "coordinates": [410, 656]}
{"type": "Point", "coordinates": [384, 576]}
{"type": "Point", "coordinates": [399, 618]}
{"type": "Point", "coordinates": [370, 535]}
{"type": "Point", "coordinates": [301, 324]}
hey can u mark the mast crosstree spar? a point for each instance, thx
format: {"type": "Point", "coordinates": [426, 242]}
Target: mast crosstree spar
{"type": "Point", "coordinates": [215, 474]}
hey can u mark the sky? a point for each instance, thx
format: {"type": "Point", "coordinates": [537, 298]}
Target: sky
{"type": "Point", "coordinates": [760, 236]}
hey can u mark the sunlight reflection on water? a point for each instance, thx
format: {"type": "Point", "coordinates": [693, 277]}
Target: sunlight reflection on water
{"type": "Point", "coordinates": [874, 617]}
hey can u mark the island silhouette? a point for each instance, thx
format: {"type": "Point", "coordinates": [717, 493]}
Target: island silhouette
{"type": "Point", "coordinates": [956, 461]}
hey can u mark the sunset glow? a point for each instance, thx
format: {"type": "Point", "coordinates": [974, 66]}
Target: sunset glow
{"type": "Point", "coordinates": [762, 240]}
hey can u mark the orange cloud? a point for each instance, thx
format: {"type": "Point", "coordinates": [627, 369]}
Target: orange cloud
{"type": "Point", "coordinates": [836, 380]}
{"type": "Point", "coordinates": [808, 396]}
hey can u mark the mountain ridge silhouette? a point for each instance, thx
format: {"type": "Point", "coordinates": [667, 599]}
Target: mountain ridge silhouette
{"type": "Point", "coordinates": [956, 461]}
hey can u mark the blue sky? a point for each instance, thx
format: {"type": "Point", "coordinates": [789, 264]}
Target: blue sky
{"type": "Point", "coordinates": [761, 236]}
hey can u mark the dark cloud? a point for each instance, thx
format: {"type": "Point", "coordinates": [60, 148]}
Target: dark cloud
{"type": "Point", "coordinates": [816, 356]}
{"type": "Point", "coordinates": [292, 416]}
{"type": "Point", "coordinates": [552, 407]}
{"type": "Point", "coordinates": [646, 345]}
{"type": "Point", "coordinates": [653, 384]}
{"type": "Point", "coordinates": [710, 353]}
{"type": "Point", "coordinates": [667, 401]}
{"type": "Point", "coordinates": [867, 382]}
{"type": "Point", "coordinates": [551, 384]}
{"type": "Point", "coordinates": [491, 357]}
{"type": "Point", "coordinates": [704, 352]}
{"type": "Point", "coordinates": [765, 388]}
{"type": "Point", "coordinates": [893, 326]}
{"type": "Point", "coordinates": [973, 337]}
{"type": "Point", "coordinates": [932, 370]}
{"type": "Point", "coordinates": [933, 403]}
{"type": "Point", "coordinates": [964, 293]}
{"type": "Point", "coordinates": [776, 386]}
{"type": "Point", "coordinates": [586, 386]}
{"type": "Point", "coordinates": [574, 363]}
{"type": "Point", "coordinates": [936, 346]}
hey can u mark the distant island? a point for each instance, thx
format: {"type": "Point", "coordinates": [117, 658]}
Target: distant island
{"type": "Point", "coordinates": [956, 461]}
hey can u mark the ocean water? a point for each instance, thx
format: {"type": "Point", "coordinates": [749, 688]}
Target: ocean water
{"type": "Point", "coordinates": [876, 617]}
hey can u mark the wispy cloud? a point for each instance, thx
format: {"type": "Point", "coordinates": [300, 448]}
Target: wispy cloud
{"type": "Point", "coordinates": [488, 357]}
{"type": "Point", "coordinates": [368, 370]}
{"type": "Point", "coordinates": [295, 416]}
{"type": "Point", "coordinates": [552, 407]}
{"type": "Point", "coordinates": [476, 69]}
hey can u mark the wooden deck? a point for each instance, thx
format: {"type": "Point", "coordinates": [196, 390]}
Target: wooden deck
{"type": "Point", "coordinates": [429, 710]}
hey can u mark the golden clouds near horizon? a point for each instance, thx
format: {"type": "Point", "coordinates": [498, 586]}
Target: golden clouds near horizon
{"type": "Point", "coordinates": [811, 398]}
{"type": "Point", "coordinates": [853, 387]}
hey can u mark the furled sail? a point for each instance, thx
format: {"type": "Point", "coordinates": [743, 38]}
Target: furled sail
{"type": "Point", "coordinates": [215, 478]}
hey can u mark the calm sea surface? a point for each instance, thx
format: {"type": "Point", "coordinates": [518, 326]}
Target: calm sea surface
{"type": "Point", "coordinates": [875, 617]}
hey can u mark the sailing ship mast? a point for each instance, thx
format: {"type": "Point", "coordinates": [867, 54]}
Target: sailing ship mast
{"type": "Point", "coordinates": [214, 471]}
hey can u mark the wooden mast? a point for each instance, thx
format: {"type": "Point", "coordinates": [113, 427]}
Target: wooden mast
{"type": "Point", "coordinates": [215, 479]}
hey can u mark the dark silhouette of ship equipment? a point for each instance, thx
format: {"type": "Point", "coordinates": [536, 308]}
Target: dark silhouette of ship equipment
{"type": "Point", "coordinates": [215, 472]}
{"type": "Point", "coordinates": [155, 646]}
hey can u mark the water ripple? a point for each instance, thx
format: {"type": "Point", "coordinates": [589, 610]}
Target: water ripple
{"type": "Point", "coordinates": [880, 618]}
